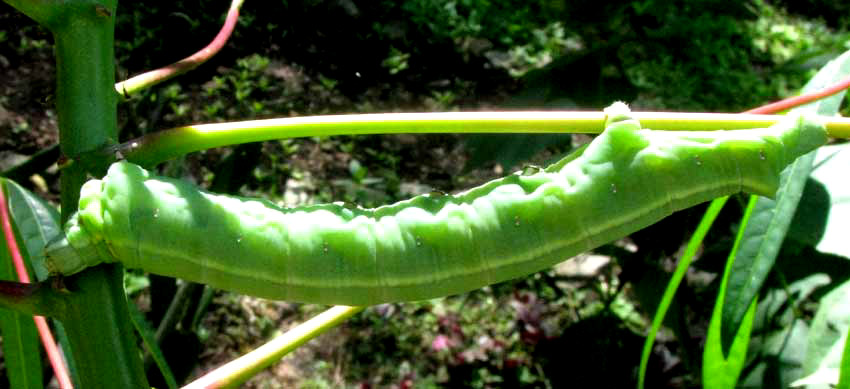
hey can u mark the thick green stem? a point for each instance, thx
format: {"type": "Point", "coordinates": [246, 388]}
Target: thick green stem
{"type": "Point", "coordinates": [96, 321]}
{"type": "Point", "coordinates": [102, 336]}
{"type": "Point", "coordinates": [85, 98]}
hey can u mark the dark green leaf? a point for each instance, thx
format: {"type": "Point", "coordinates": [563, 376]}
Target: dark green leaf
{"type": "Point", "coordinates": [36, 222]}
{"type": "Point", "coordinates": [148, 335]}
{"type": "Point", "coordinates": [779, 336]}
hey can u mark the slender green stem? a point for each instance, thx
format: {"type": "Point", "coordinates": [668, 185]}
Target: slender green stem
{"type": "Point", "coordinates": [673, 285]}
{"type": "Point", "coordinates": [240, 370]}
{"type": "Point", "coordinates": [161, 146]}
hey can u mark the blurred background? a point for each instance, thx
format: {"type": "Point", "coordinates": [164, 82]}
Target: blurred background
{"type": "Point", "coordinates": [581, 323]}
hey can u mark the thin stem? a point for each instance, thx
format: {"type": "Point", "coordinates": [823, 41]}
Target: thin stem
{"type": "Point", "coordinates": [795, 101]}
{"type": "Point", "coordinates": [673, 285]}
{"type": "Point", "coordinates": [241, 369]}
{"type": "Point", "coordinates": [164, 145]}
{"type": "Point", "coordinates": [153, 77]}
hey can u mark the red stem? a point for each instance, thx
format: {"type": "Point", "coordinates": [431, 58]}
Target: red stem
{"type": "Point", "coordinates": [157, 76]}
{"type": "Point", "coordinates": [792, 102]}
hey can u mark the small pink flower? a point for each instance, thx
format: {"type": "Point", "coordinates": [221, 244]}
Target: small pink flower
{"type": "Point", "coordinates": [441, 342]}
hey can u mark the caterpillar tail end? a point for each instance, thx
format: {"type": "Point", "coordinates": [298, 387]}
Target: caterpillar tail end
{"type": "Point", "coordinates": [82, 245]}
{"type": "Point", "coordinates": [66, 258]}
{"type": "Point", "coordinates": [801, 135]}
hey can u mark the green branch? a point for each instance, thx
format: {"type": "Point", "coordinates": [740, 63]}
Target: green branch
{"type": "Point", "coordinates": [164, 145]}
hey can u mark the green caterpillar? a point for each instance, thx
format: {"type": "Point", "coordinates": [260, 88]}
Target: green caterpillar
{"type": "Point", "coordinates": [430, 245]}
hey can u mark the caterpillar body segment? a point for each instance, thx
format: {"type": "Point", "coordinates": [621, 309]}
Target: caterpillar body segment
{"type": "Point", "coordinates": [431, 245]}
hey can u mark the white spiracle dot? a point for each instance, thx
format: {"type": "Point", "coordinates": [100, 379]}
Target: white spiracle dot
{"type": "Point", "coordinates": [698, 160]}
{"type": "Point", "coordinates": [762, 156]}
{"type": "Point", "coordinates": [418, 242]}
{"type": "Point", "coordinates": [516, 221]}
{"type": "Point", "coordinates": [325, 247]}
{"type": "Point", "coordinates": [156, 213]}
{"type": "Point", "coordinates": [613, 188]}
{"type": "Point", "coordinates": [239, 240]}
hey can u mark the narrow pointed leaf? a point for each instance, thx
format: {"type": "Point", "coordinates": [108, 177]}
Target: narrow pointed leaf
{"type": "Point", "coordinates": [148, 335]}
{"type": "Point", "coordinates": [844, 372]}
{"type": "Point", "coordinates": [721, 369]}
{"type": "Point", "coordinates": [770, 220]}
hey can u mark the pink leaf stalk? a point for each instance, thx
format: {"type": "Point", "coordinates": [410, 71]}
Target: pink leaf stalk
{"type": "Point", "coordinates": [153, 77]}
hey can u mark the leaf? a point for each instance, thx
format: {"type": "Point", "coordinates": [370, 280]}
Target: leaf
{"type": "Point", "coordinates": [21, 347]}
{"type": "Point", "coordinates": [779, 338]}
{"type": "Point", "coordinates": [823, 216]}
{"type": "Point", "coordinates": [718, 371]}
{"type": "Point", "coordinates": [770, 219]}
{"type": "Point", "coordinates": [148, 336]}
{"type": "Point", "coordinates": [36, 222]}
{"type": "Point", "coordinates": [844, 371]}
{"type": "Point", "coordinates": [828, 334]}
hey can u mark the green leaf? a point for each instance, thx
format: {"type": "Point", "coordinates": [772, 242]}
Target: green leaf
{"type": "Point", "coordinates": [770, 219]}
{"type": "Point", "coordinates": [828, 335]}
{"type": "Point", "coordinates": [823, 216]}
{"type": "Point", "coordinates": [148, 335]}
{"type": "Point", "coordinates": [21, 347]}
{"type": "Point", "coordinates": [718, 371]}
{"type": "Point", "coordinates": [36, 222]}
{"type": "Point", "coordinates": [670, 292]}
{"type": "Point", "coordinates": [779, 337]}
{"type": "Point", "coordinates": [844, 372]}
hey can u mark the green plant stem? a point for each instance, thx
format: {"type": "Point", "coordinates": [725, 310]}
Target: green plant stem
{"type": "Point", "coordinates": [153, 77]}
{"type": "Point", "coordinates": [101, 334]}
{"type": "Point", "coordinates": [35, 164]}
{"type": "Point", "coordinates": [164, 145]}
{"type": "Point", "coordinates": [240, 370]}
{"type": "Point", "coordinates": [673, 285]}
{"type": "Point", "coordinates": [85, 98]}
{"type": "Point", "coordinates": [96, 319]}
